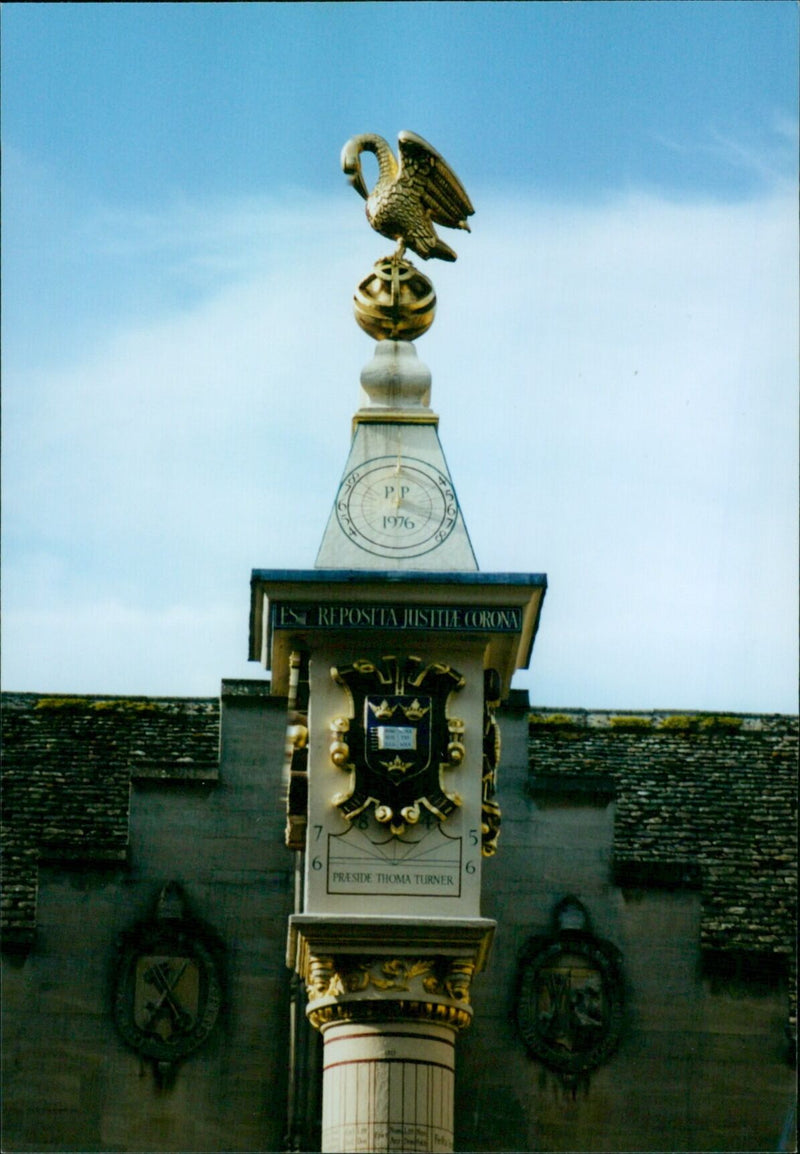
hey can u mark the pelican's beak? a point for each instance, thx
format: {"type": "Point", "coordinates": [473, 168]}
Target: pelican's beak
{"type": "Point", "coordinates": [351, 166]}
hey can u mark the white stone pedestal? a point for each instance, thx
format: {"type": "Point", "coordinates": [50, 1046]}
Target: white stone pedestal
{"type": "Point", "coordinates": [396, 748]}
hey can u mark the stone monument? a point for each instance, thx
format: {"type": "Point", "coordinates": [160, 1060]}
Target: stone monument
{"type": "Point", "coordinates": [393, 653]}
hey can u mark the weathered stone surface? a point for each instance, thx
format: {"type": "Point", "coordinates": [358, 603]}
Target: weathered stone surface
{"type": "Point", "coordinates": [705, 790]}
{"type": "Point", "coordinates": [71, 1082]}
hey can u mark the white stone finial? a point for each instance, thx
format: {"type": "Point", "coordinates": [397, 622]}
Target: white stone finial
{"type": "Point", "coordinates": [395, 378]}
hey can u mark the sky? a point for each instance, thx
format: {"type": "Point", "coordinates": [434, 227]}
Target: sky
{"type": "Point", "coordinates": [614, 356]}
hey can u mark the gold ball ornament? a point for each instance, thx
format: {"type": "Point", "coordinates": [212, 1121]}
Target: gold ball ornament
{"type": "Point", "coordinates": [396, 302]}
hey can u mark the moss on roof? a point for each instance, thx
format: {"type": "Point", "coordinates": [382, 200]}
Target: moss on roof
{"type": "Point", "coordinates": [702, 797]}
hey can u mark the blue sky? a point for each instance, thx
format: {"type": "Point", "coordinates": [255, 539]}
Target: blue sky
{"type": "Point", "coordinates": [614, 358]}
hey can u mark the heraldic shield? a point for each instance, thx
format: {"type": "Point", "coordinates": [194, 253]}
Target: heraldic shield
{"type": "Point", "coordinates": [166, 995]}
{"type": "Point", "coordinates": [397, 739]}
{"type": "Point", "coordinates": [167, 989]}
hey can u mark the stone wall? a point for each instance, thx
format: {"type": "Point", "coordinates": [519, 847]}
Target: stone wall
{"type": "Point", "coordinates": [701, 799]}
{"type": "Point", "coordinates": [176, 812]}
{"type": "Point", "coordinates": [635, 815]}
{"type": "Point", "coordinates": [68, 763]}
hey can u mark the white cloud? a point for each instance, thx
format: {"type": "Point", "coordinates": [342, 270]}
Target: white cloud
{"type": "Point", "coordinates": [617, 396]}
{"type": "Point", "coordinates": [771, 158]}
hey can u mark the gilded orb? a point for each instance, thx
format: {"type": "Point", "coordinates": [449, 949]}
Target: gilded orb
{"type": "Point", "coordinates": [395, 302]}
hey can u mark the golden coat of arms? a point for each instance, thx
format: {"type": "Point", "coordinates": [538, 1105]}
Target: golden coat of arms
{"type": "Point", "coordinates": [397, 739]}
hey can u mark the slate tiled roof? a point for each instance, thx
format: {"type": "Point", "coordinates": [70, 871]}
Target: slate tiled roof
{"type": "Point", "coordinates": [701, 799]}
{"type": "Point", "coordinates": [67, 767]}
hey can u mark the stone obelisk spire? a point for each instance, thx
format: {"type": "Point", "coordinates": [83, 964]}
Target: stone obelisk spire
{"type": "Point", "coordinates": [396, 505]}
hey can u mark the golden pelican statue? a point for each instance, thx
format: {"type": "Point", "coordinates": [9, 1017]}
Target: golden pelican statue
{"type": "Point", "coordinates": [409, 197]}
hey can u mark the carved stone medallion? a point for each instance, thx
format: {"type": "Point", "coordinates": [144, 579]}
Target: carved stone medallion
{"type": "Point", "coordinates": [167, 984]}
{"type": "Point", "coordinates": [570, 997]}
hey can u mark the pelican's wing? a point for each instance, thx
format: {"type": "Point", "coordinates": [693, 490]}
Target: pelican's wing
{"type": "Point", "coordinates": [438, 187]}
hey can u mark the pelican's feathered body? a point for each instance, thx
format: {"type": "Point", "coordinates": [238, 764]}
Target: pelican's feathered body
{"type": "Point", "coordinates": [409, 197]}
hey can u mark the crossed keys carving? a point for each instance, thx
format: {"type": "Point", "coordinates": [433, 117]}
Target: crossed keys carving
{"type": "Point", "coordinates": [165, 978]}
{"type": "Point", "coordinates": [167, 983]}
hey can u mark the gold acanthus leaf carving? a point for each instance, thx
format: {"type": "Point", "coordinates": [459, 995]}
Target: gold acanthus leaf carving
{"type": "Point", "coordinates": [333, 978]}
{"type": "Point", "coordinates": [397, 973]}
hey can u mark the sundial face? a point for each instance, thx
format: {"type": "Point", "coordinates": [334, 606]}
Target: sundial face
{"type": "Point", "coordinates": [425, 861]}
{"type": "Point", "coordinates": [395, 506]}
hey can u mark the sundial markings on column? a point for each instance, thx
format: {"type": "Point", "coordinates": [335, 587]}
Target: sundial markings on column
{"type": "Point", "coordinates": [357, 864]}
